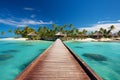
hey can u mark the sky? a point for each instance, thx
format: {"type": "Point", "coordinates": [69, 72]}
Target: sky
{"type": "Point", "coordinates": [83, 14]}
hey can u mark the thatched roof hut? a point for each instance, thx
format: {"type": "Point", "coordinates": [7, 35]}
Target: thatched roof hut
{"type": "Point", "coordinates": [97, 34]}
{"type": "Point", "coordinates": [115, 35]}
{"type": "Point", "coordinates": [32, 34]}
{"type": "Point", "coordinates": [60, 34]}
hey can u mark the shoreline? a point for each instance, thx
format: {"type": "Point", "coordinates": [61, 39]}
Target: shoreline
{"type": "Point", "coordinates": [79, 40]}
{"type": "Point", "coordinates": [96, 40]}
{"type": "Point", "coordinates": [18, 39]}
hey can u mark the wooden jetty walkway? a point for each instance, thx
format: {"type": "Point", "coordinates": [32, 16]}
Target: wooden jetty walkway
{"type": "Point", "coordinates": [57, 63]}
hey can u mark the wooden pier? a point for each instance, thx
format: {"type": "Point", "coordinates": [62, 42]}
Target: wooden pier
{"type": "Point", "coordinates": [57, 63]}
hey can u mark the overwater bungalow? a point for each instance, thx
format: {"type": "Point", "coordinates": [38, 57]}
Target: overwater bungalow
{"type": "Point", "coordinates": [60, 35]}
{"type": "Point", "coordinates": [84, 36]}
{"type": "Point", "coordinates": [115, 35]}
{"type": "Point", "coordinates": [31, 35]}
{"type": "Point", "coordinates": [97, 35]}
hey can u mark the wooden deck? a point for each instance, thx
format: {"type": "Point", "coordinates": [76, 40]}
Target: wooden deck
{"type": "Point", "coordinates": [56, 63]}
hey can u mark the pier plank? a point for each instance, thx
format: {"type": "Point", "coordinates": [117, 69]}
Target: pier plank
{"type": "Point", "coordinates": [56, 63]}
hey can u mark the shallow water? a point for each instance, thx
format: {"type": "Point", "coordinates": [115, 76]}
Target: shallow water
{"type": "Point", "coordinates": [102, 57]}
{"type": "Point", "coordinates": [16, 55]}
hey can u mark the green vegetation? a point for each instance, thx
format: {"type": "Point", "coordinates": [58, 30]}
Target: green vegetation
{"type": "Point", "coordinates": [118, 33]}
{"type": "Point", "coordinates": [46, 33]}
{"type": "Point", "coordinates": [106, 33]}
{"type": "Point", "coordinates": [10, 31]}
{"type": "Point", "coordinates": [66, 32]}
{"type": "Point", "coordinates": [2, 33]}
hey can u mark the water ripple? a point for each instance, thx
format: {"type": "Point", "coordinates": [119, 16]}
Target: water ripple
{"type": "Point", "coordinates": [96, 57]}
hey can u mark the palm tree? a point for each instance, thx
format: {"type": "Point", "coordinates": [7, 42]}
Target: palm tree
{"type": "Point", "coordinates": [84, 31]}
{"type": "Point", "coordinates": [102, 31]}
{"type": "Point", "coordinates": [54, 26]}
{"type": "Point", "coordinates": [65, 25]}
{"type": "Point", "coordinates": [17, 31]}
{"type": "Point", "coordinates": [62, 29]}
{"type": "Point", "coordinates": [2, 33]}
{"type": "Point", "coordinates": [112, 27]}
{"type": "Point", "coordinates": [118, 33]}
{"type": "Point", "coordinates": [91, 34]}
{"type": "Point", "coordinates": [71, 26]}
{"type": "Point", "coordinates": [105, 33]}
{"type": "Point", "coordinates": [80, 34]}
{"type": "Point", "coordinates": [44, 32]}
{"type": "Point", "coordinates": [76, 33]}
{"type": "Point", "coordinates": [10, 31]}
{"type": "Point", "coordinates": [40, 31]}
{"type": "Point", "coordinates": [26, 31]}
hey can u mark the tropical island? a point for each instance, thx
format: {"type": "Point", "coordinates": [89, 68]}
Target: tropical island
{"type": "Point", "coordinates": [65, 32]}
{"type": "Point", "coordinates": [59, 40]}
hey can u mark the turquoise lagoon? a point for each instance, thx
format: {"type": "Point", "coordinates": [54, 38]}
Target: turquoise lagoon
{"type": "Point", "coordinates": [102, 57]}
{"type": "Point", "coordinates": [16, 55]}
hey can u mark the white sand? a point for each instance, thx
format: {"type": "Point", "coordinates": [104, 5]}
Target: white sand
{"type": "Point", "coordinates": [21, 39]}
{"type": "Point", "coordinates": [94, 40]}
{"type": "Point", "coordinates": [81, 40]}
{"type": "Point", "coordinates": [86, 40]}
{"type": "Point", "coordinates": [105, 39]}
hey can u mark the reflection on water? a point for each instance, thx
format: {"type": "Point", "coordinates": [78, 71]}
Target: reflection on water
{"type": "Point", "coordinates": [10, 51]}
{"type": "Point", "coordinates": [78, 47]}
{"type": "Point", "coordinates": [98, 45]}
{"type": "Point", "coordinates": [27, 45]}
{"type": "Point", "coordinates": [104, 78]}
{"type": "Point", "coordinates": [9, 43]}
{"type": "Point", "coordinates": [12, 63]}
{"type": "Point", "coordinates": [106, 64]}
{"type": "Point", "coordinates": [5, 56]}
{"type": "Point", "coordinates": [42, 49]}
{"type": "Point", "coordinates": [23, 66]}
{"type": "Point", "coordinates": [96, 57]}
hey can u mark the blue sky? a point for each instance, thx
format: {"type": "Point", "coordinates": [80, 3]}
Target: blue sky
{"type": "Point", "coordinates": [88, 14]}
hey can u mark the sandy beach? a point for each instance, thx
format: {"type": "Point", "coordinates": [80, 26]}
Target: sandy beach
{"type": "Point", "coordinates": [105, 39]}
{"type": "Point", "coordinates": [81, 40]}
{"type": "Point", "coordinates": [21, 39]}
{"type": "Point", "coordinates": [86, 40]}
{"type": "Point", "coordinates": [97, 40]}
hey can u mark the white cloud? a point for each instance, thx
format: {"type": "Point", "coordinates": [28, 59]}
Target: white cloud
{"type": "Point", "coordinates": [23, 22]}
{"type": "Point", "coordinates": [29, 9]}
{"type": "Point", "coordinates": [33, 16]}
{"type": "Point", "coordinates": [101, 22]}
{"type": "Point", "coordinates": [33, 22]}
{"type": "Point", "coordinates": [108, 21]}
{"type": "Point", "coordinates": [106, 26]}
{"type": "Point", "coordinates": [21, 25]}
{"type": "Point", "coordinates": [8, 22]}
{"type": "Point", "coordinates": [118, 20]}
